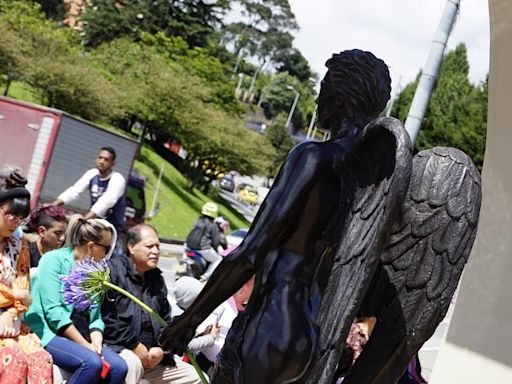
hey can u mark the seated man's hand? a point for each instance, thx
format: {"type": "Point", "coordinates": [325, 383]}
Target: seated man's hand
{"type": "Point", "coordinates": [155, 356]}
{"type": "Point", "coordinates": [142, 353]}
{"type": "Point", "coordinates": [176, 336]}
{"type": "Point", "coordinates": [215, 330]}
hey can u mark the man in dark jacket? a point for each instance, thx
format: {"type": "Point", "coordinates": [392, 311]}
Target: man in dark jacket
{"type": "Point", "coordinates": [130, 330]}
{"type": "Point", "coordinates": [205, 238]}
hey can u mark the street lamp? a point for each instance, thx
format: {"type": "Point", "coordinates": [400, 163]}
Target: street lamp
{"type": "Point", "coordinates": [312, 122]}
{"type": "Point", "coordinates": [238, 89]}
{"type": "Point", "coordinates": [292, 109]}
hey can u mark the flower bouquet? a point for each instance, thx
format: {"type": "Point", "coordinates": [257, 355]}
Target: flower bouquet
{"type": "Point", "coordinates": [86, 285]}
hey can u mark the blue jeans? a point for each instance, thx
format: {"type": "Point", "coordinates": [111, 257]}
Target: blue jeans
{"type": "Point", "coordinates": [85, 364]}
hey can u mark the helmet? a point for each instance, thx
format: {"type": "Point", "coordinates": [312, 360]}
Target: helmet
{"type": "Point", "coordinates": [210, 209]}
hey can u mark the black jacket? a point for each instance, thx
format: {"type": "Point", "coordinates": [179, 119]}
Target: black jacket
{"type": "Point", "coordinates": [209, 234]}
{"type": "Point", "coordinates": [122, 316]}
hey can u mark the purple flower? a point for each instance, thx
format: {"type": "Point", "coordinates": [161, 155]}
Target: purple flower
{"type": "Point", "coordinates": [84, 286]}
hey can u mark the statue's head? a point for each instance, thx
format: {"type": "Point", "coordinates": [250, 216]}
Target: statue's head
{"type": "Point", "coordinates": [356, 88]}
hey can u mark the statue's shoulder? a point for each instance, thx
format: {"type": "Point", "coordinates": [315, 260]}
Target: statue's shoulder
{"type": "Point", "coordinates": [313, 152]}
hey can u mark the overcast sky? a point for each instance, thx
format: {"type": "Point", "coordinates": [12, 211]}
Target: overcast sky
{"type": "Point", "coordinates": [398, 31]}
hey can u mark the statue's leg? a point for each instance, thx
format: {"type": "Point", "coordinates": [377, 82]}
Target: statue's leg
{"type": "Point", "coordinates": [267, 348]}
{"type": "Point", "coordinates": [278, 347]}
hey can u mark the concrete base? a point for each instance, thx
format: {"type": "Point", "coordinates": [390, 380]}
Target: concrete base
{"type": "Point", "coordinates": [458, 365]}
{"type": "Point", "coordinates": [478, 347]}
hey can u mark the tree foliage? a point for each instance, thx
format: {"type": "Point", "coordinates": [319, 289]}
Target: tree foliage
{"type": "Point", "coordinates": [38, 52]}
{"type": "Point", "coordinates": [199, 62]}
{"type": "Point", "coordinates": [278, 96]}
{"type": "Point", "coordinates": [170, 102]}
{"type": "Point", "coordinates": [263, 31]}
{"type": "Point", "coordinates": [457, 112]}
{"type": "Point", "coordinates": [53, 9]}
{"type": "Point", "coordinates": [194, 20]}
{"type": "Point", "coordinates": [278, 136]}
{"type": "Point", "coordinates": [173, 93]}
{"type": "Point", "coordinates": [296, 65]}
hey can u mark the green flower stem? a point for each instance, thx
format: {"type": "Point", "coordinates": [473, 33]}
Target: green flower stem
{"type": "Point", "coordinates": [136, 300]}
{"type": "Point", "coordinates": [161, 321]}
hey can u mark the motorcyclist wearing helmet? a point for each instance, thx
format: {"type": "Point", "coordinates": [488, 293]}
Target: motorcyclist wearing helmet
{"type": "Point", "coordinates": [205, 238]}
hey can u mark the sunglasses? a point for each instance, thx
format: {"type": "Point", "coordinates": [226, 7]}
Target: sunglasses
{"type": "Point", "coordinates": [107, 248]}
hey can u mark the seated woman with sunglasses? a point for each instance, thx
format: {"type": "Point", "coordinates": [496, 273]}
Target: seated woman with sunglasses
{"type": "Point", "coordinates": [74, 338]}
{"type": "Point", "coordinates": [22, 357]}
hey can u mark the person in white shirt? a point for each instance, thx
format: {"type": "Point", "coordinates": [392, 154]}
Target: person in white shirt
{"type": "Point", "coordinates": [106, 188]}
{"type": "Point", "coordinates": [221, 318]}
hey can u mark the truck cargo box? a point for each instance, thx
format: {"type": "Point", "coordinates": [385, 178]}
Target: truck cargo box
{"type": "Point", "coordinates": [53, 149]}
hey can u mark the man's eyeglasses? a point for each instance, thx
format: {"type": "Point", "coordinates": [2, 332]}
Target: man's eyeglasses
{"type": "Point", "coordinates": [107, 248]}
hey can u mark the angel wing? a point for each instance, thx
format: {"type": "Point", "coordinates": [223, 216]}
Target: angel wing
{"type": "Point", "coordinates": [375, 177]}
{"type": "Point", "coordinates": [422, 263]}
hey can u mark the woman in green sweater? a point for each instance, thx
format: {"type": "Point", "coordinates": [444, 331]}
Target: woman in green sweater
{"type": "Point", "coordinates": [74, 338]}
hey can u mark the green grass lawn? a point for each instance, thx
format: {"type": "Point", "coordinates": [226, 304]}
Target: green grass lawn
{"type": "Point", "coordinates": [179, 207]}
{"type": "Point", "coordinates": [24, 92]}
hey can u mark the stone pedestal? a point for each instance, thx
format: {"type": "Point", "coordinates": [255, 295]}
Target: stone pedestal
{"type": "Point", "coordinates": [478, 347]}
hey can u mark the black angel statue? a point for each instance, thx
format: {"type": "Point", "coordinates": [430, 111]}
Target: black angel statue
{"type": "Point", "coordinates": [351, 226]}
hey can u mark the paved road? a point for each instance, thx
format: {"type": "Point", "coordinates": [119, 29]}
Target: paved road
{"type": "Point", "coordinates": [247, 211]}
{"type": "Point", "coordinates": [169, 262]}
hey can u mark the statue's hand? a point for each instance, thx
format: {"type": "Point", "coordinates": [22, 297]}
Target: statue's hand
{"type": "Point", "coordinates": [176, 336]}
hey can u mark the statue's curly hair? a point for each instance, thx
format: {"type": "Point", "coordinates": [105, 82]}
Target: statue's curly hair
{"type": "Point", "coordinates": [358, 84]}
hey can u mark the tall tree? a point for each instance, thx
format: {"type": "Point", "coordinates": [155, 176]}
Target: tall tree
{"type": "Point", "coordinates": [457, 112]}
{"type": "Point", "coordinates": [193, 20]}
{"type": "Point", "coordinates": [264, 30]}
{"type": "Point", "coordinates": [295, 64]}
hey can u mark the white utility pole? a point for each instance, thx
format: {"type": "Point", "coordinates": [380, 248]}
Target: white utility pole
{"type": "Point", "coordinates": [249, 94]}
{"type": "Point", "coordinates": [312, 122]}
{"type": "Point", "coordinates": [292, 109]}
{"type": "Point", "coordinates": [431, 69]}
{"type": "Point", "coordinates": [238, 89]}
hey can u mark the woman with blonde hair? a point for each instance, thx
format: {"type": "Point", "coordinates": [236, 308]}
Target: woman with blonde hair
{"type": "Point", "coordinates": [73, 337]}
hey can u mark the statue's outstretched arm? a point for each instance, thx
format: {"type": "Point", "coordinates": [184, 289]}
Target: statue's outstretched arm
{"type": "Point", "coordinates": [283, 206]}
